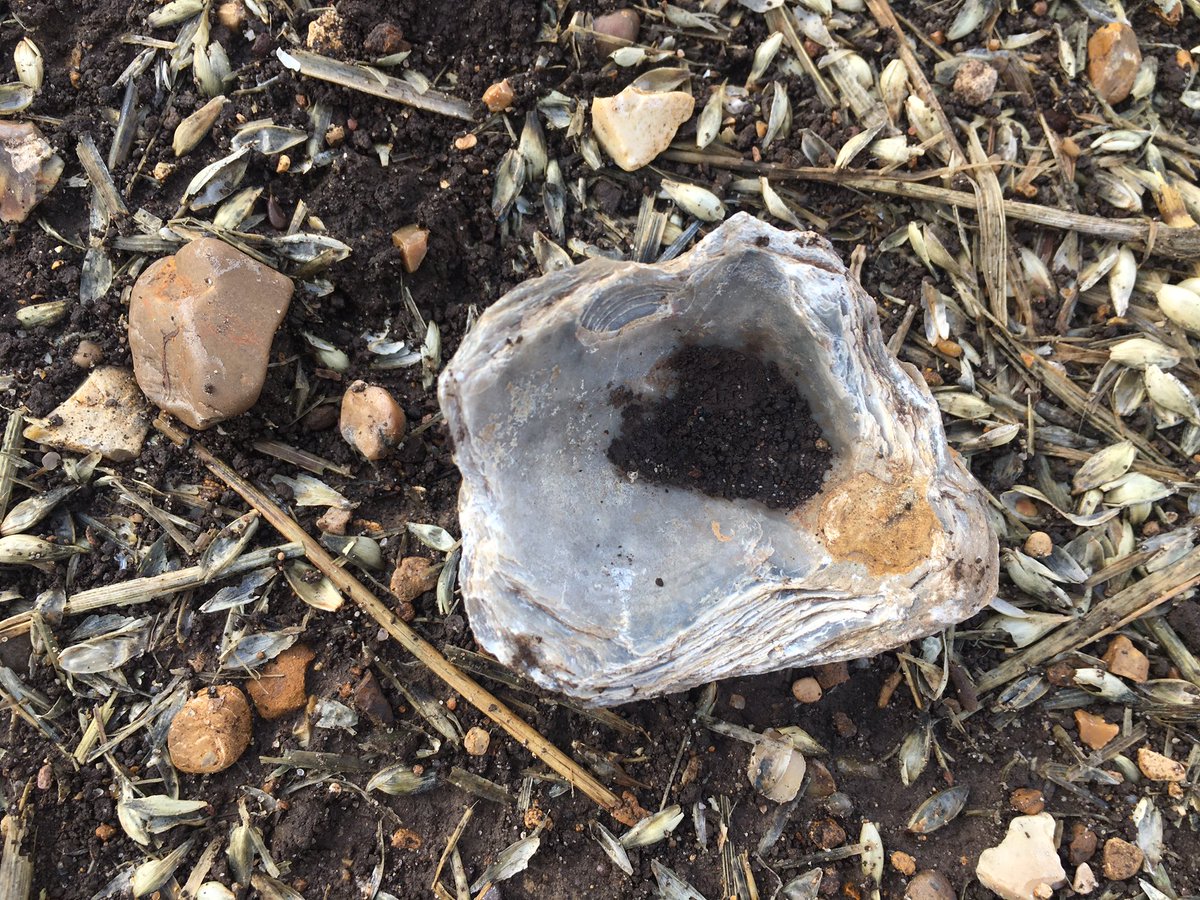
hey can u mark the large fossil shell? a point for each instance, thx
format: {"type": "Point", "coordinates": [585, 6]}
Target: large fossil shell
{"type": "Point", "coordinates": [562, 553]}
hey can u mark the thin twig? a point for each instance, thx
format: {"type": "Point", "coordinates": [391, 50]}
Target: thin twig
{"type": "Point", "coordinates": [1172, 243]}
{"type": "Point", "coordinates": [487, 703]}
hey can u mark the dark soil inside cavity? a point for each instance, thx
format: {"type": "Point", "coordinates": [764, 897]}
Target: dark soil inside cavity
{"type": "Point", "coordinates": [735, 428]}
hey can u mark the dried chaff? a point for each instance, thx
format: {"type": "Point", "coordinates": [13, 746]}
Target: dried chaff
{"type": "Point", "coordinates": [16, 868]}
{"type": "Point", "coordinates": [295, 456]}
{"type": "Point", "coordinates": [373, 82]}
{"type": "Point", "coordinates": [477, 785]}
{"type": "Point", "coordinates": [109, 197]}
{"type": "Point", "coordinates": [1105, 617]}
{"type": "Point", "coordinates": [780, 20]}
{"type": "Point", "coordinates": [10, 456]}
{"type": "Point", "coordinates": [143, 590]}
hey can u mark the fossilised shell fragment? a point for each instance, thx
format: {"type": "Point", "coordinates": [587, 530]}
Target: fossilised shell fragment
{"type": "Point", "coordinates": [610, 588]}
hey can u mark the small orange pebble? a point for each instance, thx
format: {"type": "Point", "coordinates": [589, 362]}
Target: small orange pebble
{"type": "Point", "coordinates": [889, 687]}
{"type": "Point", "coordinates": [950, 348]}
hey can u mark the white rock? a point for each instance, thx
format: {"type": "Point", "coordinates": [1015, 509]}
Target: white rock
{"type": "Point", "coordinates": [1085, 880]}
{"type": "Point", "coordinates": [635, 126]}
{"type": "Point", "coordinates": [1025, 866]}
{"type": "Point", "coordinates": [107, 414]}
{"type": "Point", "coordinates": [611, 588]}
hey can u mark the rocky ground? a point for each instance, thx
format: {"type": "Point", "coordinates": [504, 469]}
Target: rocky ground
{"type": "Point", "coordinates": [212, 209]}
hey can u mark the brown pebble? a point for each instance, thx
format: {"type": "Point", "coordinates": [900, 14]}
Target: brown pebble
{"type": "Point", "coordinates": [1083, 844]}
{"type": "Point", "coordinates": [975, 82]}
{"type": "Point", "coordinates": [232, 14]}
{"type": "Point", "coordinates": [1061, 674]}
{"type": "Point", "coordinates": [1027, 801]}
{"type": "Point", "coordinates": [821, 783]}
{"type": "Point", "coordinates": [534, 817]}
{"type": "Point", "coordinates": [1157, 767]}
{"type": "Point", "coordinates": [1094, 730]}
{"type": "Point", "coordinates": [200, 330]}
{"type": "Point", "coordinates": [1113, 61]}
{"type": "Point", "coordinates": [278, 688]}
{"type": "Point", "coordinates": [45, 777]}
{"type": "Point", "coordinates": [211, 731]}
{"type": "Point", "coordinates": [826, 834]}
{"type": "Point", "coordinates": [334, 520]}
{"type": "Point", "coordinates": [499, 96]}
{"type": "Point", "coordinates": [737, 701]}
{"type": "Point", "coordinates": [466, 142]}
{"type": "Point", "coordinates": [1126, 660]}
{"type": "Point", "coordinates": [806, 690]}
{"type": "Point", "coordinates": [385, 39]}
{"type": "Point", "coordinates": [831, 675]}
{"type": "Point", "coordinates": [369, 700]}
{"type": "Point", "coordinates": [616, 30]}
{"type": "Point", "coordinates": [406, 839]}
{"type": "Point", "coordinates": [888, 688]}
{"type": "Point", "coordinates": [335, 135]}
{"type": "Point", "coordinates": [929, 885]}
{"type": "Point", "coordinates": [844, 725]}
{"type": "Point", "coordinates": [413, 243]}
{"type": "Point", "coordinates": [476, 741]}
{"type": "Point", "coordinates": [903, 863]}
{"type": "Point", "coordinates": [320, 417]}
{"type": "Point", "coordinates": [371, 421]}
{"type": "Point", "coordinates": [88, 354]}
{"type": "Point", "coordinates": [1039, 545]}
{"type": "Point", "coordinates": [1121, 859]}
{"type": "Point", "coordinates": [105, 832]}
{"type": "Point", "coordinates": [414, 575]}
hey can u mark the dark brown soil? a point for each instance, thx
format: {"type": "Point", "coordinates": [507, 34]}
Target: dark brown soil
{"type": "Point", "coordinates": [324, 833]}
{"type": "Point", "coordinates": [732, 426]}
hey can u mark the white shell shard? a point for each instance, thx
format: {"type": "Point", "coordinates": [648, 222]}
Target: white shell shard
{"type": "Point", "coordinates": [611, 589]}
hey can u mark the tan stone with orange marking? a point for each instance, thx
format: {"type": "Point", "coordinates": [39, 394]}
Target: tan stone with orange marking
{"type": "Point", "coordinates": [888, 528]}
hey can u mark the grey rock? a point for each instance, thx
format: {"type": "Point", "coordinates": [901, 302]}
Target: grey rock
{"type": "Point", "coordinates": [561, 551]}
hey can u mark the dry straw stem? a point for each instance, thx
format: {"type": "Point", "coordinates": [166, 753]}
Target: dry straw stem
{"type": "Point", "coordinates": [98, 174]}
{"type": "Point", "coordinates": [780, 20]}
{"type": "Point", "coordinates": [143, 590]}
{"type": "Point", "coordinates": [1105, 617]}
{"type": "Point", "coordinates": [375, 83]}
{"type": "Point", "coordinates": [16, 869]}
{"type": "Point", "coordinates": [9, 450]}
{"type": "Point", "coordinates": [1149, 236]}
{"type": "Point", "coordinates": [623, 811]}
{"type": "Point", "coordinates": [993, 230]}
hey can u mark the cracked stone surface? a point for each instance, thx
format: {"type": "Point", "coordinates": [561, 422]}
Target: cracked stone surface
{"type": "Point", "coordinates": [611, 589]}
